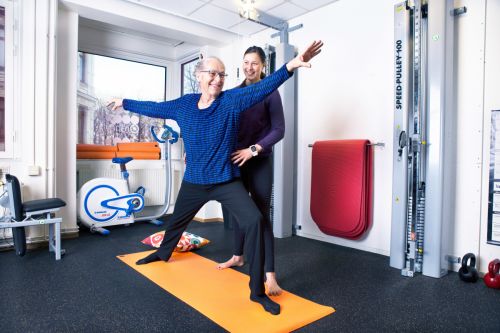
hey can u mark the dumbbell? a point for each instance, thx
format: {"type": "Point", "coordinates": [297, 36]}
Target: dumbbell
{"type": "Point", "coordinates": [468, 272]}
{"type": "Point", "coordinates": [492, 278]}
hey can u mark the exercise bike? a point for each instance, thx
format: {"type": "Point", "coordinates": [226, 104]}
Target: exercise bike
{"type": "Point", "coordinates": [104, 202]}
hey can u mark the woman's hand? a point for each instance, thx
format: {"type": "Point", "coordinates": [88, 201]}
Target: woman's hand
{"type": "Point", "coordinates": [241, 156]}
{"type": "Point", "coordinates": [115, 103]}
{"type": "Point", "coordinates": [302, 60]}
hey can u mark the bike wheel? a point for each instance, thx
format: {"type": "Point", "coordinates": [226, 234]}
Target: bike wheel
{"type": "Point", "coordinates": [92, 203]}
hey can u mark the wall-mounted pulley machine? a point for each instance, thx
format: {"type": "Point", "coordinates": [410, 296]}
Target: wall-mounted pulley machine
{"type": "Point", "coordinates": [423, 120]}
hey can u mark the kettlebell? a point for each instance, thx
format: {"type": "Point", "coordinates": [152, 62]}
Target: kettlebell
{"type": "Point", "coordinates": [468, 273]}
{"type": "Point", "coordinates": [492, 278]}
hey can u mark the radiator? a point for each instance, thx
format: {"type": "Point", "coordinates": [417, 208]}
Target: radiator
{"type": "Point", "coordinates": [150, 175]}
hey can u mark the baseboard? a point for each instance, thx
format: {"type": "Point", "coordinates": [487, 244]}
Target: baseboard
{"type": "Point", "coordinates": [343, 242]}
{"type": "Point", "coordinates": [216, 219]}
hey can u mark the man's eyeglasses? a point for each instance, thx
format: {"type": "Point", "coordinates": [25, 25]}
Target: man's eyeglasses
{"type": "Point", "coordinates": [222, 75]}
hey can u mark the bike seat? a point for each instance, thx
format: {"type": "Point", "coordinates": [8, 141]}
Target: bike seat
{"type": "Point", "coordinates": [122, 160]}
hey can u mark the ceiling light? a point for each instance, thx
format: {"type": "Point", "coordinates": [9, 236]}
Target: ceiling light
{"type": "Point", "coordinates": [247, 10]}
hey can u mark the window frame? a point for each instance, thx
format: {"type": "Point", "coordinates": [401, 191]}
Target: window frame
{"type": "Point", "coordinates": [8, 152]}
{"type": "Point", "coordinates": [183, 64]}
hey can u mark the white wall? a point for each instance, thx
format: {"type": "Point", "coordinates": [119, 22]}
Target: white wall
{"type": "Point", "coordinates": [66, 120]}
{"type": "Point", "coordinates": [491, 102]}
{"type": "Point", "coordinates": [469, 90]}
{"type": "Point", "coordinates": [347, 94]}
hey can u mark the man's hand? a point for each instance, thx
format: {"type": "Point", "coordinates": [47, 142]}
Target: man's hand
{"type": "Point", "coordinates": [302, 60]}
{"type": "Point", "coordinates": [115, 103]}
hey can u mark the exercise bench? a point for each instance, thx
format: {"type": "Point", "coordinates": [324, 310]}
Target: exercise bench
{"type": "Point", "coordinates": [29, 213]}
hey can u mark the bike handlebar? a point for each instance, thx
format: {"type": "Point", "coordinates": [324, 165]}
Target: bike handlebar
{"type": "Point", "coordinates": [168, 134]}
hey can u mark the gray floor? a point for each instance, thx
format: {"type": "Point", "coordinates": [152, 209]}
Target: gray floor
{"type": "Point", "coordinates": [89, 290]}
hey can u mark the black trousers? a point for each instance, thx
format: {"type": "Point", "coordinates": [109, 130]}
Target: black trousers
{"type": "Point", "coordinates": [233, 196]}
{"type": "Point", "coordinates": [257, 177]}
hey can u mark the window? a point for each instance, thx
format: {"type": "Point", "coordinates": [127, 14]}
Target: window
{"type": "Point", "coordinates": [81, 68]}
{"type": "Point", "coordinates": [6, 67]}
{"type": "Point", "coordinates": [188, 82]}
{"type": "Point", "coordinates": [102, 78]}
{"type": "Point", "coordinates": [2, 78]}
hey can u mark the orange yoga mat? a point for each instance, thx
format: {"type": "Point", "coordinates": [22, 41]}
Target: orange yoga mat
{"type": "Point", "coordinates": [223, 295]}
{"type": "Point", "coordinates": [138, 155]}
{"type": "Point", "coordinates": [95, 155]}
{"type": "Point", "coordinates": [81, 147]}
{"type": "Point", "coordinates": [138, 146]}
{"type": "Point", "coordinates": [146, 149]}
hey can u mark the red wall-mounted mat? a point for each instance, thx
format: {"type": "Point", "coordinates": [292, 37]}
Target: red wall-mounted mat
{"type": "Point", "coordinates": [341, 187]}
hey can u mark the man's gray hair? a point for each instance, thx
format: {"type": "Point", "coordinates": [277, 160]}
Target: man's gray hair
{"type": "Point", "coordinates": [201, 65]}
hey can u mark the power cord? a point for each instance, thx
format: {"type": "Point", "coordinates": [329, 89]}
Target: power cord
{"type": "Point", "coordinates": [4, 239]}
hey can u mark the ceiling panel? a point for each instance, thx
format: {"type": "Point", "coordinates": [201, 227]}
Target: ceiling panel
{"type": "Point", "coordinates": [232, 5]}
{"type": "Point", "coordinates": [184, 7]}
{"type": "Point", "coordinates": [265, 5]}
{"type": "Point", "coordinates": [224, 13]}
{"type": "Point", "coordinates": [311, 4]}
{"type": "Point", "coordinates": [286, 11]}
{"type": "Point", "coordinates": [216, 16]}
{"type": "Point", "coordinates": [247, 28]}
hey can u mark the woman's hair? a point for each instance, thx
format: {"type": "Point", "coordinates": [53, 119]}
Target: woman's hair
{"type": "Point", "coordinates": [260, 52]}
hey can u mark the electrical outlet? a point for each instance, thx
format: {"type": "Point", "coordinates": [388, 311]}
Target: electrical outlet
{"type": "Point", "coordinates": [34, 170]}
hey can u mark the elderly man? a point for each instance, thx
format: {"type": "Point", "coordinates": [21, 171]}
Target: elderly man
{"type": "Point", "coordinates": [209, 123]}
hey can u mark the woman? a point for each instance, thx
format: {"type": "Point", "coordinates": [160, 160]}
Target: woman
{"type": "Point", "coordinates": [208, 122]}
{"type": "Point", "coordinates": [261, 127]}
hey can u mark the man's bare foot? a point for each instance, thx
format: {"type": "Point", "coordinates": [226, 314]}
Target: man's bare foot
{"type": "Point", "coordinates": [273, 289]}
{"type": "Point", "coordinates": [234, 261]}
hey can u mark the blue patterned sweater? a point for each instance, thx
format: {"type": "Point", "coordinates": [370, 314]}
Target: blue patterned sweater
{"type": "Point", "coordinates": [210, 134]}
